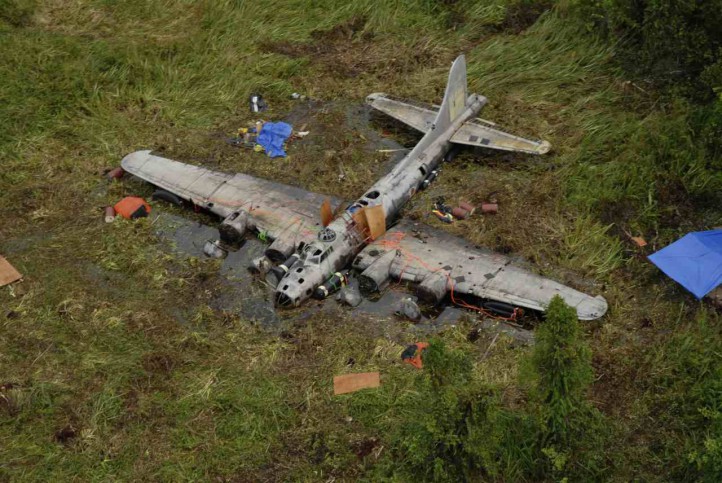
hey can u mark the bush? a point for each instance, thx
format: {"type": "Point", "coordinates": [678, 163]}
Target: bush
{"type": "Point", "coordinates": [453, 428]}
{"type": "Point", "coordinates": [571, 438]}
{"type": "Point", "coordinates": [675, 44]}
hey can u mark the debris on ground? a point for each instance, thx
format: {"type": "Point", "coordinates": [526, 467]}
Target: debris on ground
{"type": "Point", "coordinates": [638, 240]}
{"type": "Point", "coordinates": [447, 214]}
{"type": "Point", "coordinates": [465, 205]}
{"type": "Point", "coordinates": [132, 207]}
{"type": "Point", "coordinates": [272, 136]}
{"type": "Point", "coordinates": [266, 136]}
{"type": "Point", "coordinates": [408, 308]}
{"type": "Point", "coordinates": [257, 103]}
{"type": "Point", "coordinates": [347, 383]}
{"type": "Point", "coordinates": [334, 283]}
{"type": "Point", "coordinates": [214, 249]}
{"type": "Point", "coordinates": [166, 196]}
{"type": "Point", "coordinates": [115, 173]}
{"type": "Point", "coordinates": [109, 214]}
{"type": "Point", "coordinates": [444, 217]}
{"type": "Point", "coordinates": [350, 296]}
{"type": "Point", "coordinates": [298, 97]}
{"type": "Point", "coordinates": [641, 242]}
{"type": "Point", "coordinates": [489, 208]}
{"type": "Point", "coordinates": [412, 354]}
{"type": "Point", "coordinates": [442, 211]}
{"type": "Point", "coordinates": [8, 273]}
{"type": "Point", "coordinates": [694, 261]}
{"type": "Point", "coordinates": [459, 213]}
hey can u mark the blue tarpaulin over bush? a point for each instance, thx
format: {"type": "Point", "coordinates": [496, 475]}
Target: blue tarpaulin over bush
{"type": "Point", "coordinates": [694, 261]}
{"type": "Point", "coordinates": [272, 137]}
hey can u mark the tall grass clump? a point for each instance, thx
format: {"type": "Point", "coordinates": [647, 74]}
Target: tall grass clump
{"type": "Point", "coordinates": [570, 426]}
{"type": "Point", "coordinates": [684, 394]}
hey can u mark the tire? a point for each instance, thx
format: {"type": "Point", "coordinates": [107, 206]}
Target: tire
{"type": "Point", "coordinates": [166, 196]}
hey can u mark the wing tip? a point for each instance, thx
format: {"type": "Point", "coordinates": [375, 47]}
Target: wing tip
{"type": "Point", "coordinates": [374, 96]}
{"type": "Point", "coordinates": [593, 308]}
{"type": "Point", "coordinates": [129, 163]}
{"type": "Point", "coordinates": [544, 147]}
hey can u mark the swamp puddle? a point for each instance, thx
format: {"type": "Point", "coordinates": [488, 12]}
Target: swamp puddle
{"type": "Point", "coordinates": [251, 298]}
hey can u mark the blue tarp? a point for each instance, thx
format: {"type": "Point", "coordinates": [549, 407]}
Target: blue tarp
{"type": "Point", "coordinates": [694, 261]}
{"type": "Point", "coordinates": [272, 137]}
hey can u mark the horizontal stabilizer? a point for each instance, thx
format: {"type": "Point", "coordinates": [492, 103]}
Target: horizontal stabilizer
{"type": "Point", "coordinates": [420, 118]}
{"type": "Point", "coordinates": [477, 133]}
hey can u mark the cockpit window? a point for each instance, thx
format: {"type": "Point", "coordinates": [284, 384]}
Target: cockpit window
{"type": "Point", "coordinates": [314, 255]}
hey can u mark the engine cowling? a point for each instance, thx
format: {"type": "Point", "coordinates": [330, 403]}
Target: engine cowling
{"type": "Point", "coordinates": [233, 228]}
{"type": "Point", "coordinates": [280, 250]}
{"type": "Point", "coordinates": [433, 288]}
{"type": "Point", "coordinates": [377, 275]}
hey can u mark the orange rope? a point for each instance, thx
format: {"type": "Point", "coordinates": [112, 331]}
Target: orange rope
{"type": "Point", "coordinates": [394, 243]}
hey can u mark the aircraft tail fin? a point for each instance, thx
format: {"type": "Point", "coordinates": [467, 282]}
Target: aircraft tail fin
{"type": "Point", "coordinates": [455, 96]}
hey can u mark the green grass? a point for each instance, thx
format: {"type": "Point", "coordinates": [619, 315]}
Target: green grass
{"type": "Point", "coordinates": [114, 338]}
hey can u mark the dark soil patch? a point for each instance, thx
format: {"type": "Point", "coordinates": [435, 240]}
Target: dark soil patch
{"type": "Point", "coordinates": [349, 50]}
{"type": "Point", "coordinates": [365, 447]}
{"type": "Point", "coordinates": [522, 15]}
{"type": "Point", "coordinates": [65, 435]}
{"type": "Point", "coordinates": [7, 402]}
{"type": "Point", "coordinates": [159, 363]}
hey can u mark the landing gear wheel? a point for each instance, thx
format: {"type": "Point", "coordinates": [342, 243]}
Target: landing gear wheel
{"type": "Point", "coordinates": [166, 196]}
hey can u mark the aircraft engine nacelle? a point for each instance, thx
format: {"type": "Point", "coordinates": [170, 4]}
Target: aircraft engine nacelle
{"type": "Point", "coordinates": [233, 228]}
{"type": "Point", "coordinates": [376, 276]}
{"type": "Point", "coordinates": [280, 249]}
{"type": "Point", "coordinates": [433, 288]}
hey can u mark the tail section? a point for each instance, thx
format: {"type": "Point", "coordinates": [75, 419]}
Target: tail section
{"type": "Point", "coordinates": [455, 96]}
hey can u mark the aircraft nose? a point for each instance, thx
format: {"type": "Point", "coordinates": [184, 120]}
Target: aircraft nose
{"type": "Point", "coordinates": [283, 300]}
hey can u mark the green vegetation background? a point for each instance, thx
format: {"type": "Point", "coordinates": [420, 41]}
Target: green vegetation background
{"type": "Point", "coordinates": [98, 378]}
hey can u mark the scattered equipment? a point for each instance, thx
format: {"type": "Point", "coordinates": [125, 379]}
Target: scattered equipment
{"type": "Point", "coordinates": [132, 207]}
{"type": "Point", "coordinates": [412, 354]}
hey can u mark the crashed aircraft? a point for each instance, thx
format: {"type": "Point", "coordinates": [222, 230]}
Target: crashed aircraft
{"type": "Point", "coordinates": [310, 246]}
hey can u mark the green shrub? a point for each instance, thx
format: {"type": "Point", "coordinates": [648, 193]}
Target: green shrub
{"type": "Point", "coordinates": [672, 43]}
{"type": "Point", "coordinates": [572, 432]}
{"type": "Point", "coordinates": [453, 428]}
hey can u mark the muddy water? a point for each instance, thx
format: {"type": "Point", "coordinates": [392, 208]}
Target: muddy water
{"type": "Point", "coordinates": [240, 292]}
{"type": "Point", "coordinates": [251, 298]}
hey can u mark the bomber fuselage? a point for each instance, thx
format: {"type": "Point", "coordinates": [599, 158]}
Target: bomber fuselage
{"type": "Point", "coordinates": [338, 243]}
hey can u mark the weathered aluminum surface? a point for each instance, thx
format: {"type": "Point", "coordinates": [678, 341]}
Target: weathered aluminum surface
{"type": "Point", "coordinates": [423, 252]}
{"type": "Point", "coordinates": [275, 209]}
{"type": "Point", "coordinates": [440, 263]}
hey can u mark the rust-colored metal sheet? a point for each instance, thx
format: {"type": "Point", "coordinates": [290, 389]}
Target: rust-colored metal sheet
{"type": "Point", "coordinates": [326, 212]}
{"type": "Point", "coordinates": [8, 274]}
{"type": "Point", "coordinates": [354, 382]}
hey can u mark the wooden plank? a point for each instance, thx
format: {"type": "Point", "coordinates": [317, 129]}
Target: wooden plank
{"type": "Point", "coordinates": [354, 382]}
{"type": "Point", "coordinates": [8, 274]}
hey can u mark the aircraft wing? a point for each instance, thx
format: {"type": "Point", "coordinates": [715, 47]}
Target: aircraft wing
{"type": "Point", "coordinates": [275, 208]}
{"type": "Point", "coordinates": [429, 256]}
{"type": "Point", "coordinates": [476, 132]}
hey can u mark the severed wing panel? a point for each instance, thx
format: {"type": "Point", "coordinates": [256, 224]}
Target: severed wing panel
{"type": "Point", "coordinates": [275, 208]}
{"type": "Point", "coordinates": [432, 257]}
